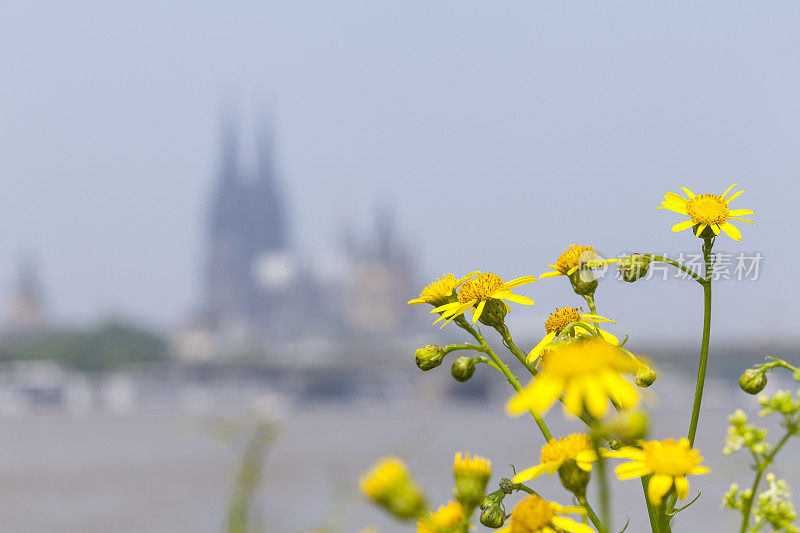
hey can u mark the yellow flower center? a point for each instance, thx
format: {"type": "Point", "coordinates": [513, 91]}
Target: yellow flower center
{"type": "Point", "coordinates": [670, 457]}
{"type": "Point", "coordinates": [446, 519]}
{"type": "Point", "coordinates": [560, 319]}
{"type": "Point", "coordinates": [472, 466]}
{"type": "Point", "coordinates": [707, 209]}
{"type": "Point", "coordinates": [531, 515]}
{"type": "Point", "coordinates": [481, 286]}
{"type": "Point", "coordinates": [437, 292]}
{"type": "Point", "coordinates": [582, 357]}
{"type": "Point", "coordinates": [565, 448]}
{"type": "Point", "coordinates": [574, 256]}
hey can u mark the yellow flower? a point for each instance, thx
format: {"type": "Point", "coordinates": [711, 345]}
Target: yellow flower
{"type": "Point", "coordinates": [706, 211]}
{"type": "Point", "coordinates": [574, 258]}
{"type": "Point", "coordinates": [389, 484]}
{"type": "Point", "coordinates": [471, 474]}
{"type": "Point", "coordinates": [667, 460]}
{"type": "Point", "coordinates": [537, 515]}
{"type": "Point", "coordinates": [438, 292]}
{"type": "Point", "coordinates": [466, 466]}
{"type": "Point", "coordinates": [588, 372]}
{"type": "Point", "coordinates": [447, 519]}
{"type": "Point", "coordinates": [576, 447]}
{"type": "Point", "coordinates": [480, 288]}
{"type": "Point", "coordinates": [560, 319]}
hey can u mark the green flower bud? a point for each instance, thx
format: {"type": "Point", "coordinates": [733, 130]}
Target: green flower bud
{"type": "Point", "coordinates": [463, 368]}
{"type": "Point", "coordinates": [493, 512]}
{"type": "Point", "coordinates": [429, 356]}
{"type": "Point", "coordinates": [634, 267]}
{"type": "Point", "coordinates": [753, 380]}
{"type": "Point", "coordinates": [494, 313]}
{"type": "Point", "coordinates": [645, 376]}
{"type": "Point", "coordinates": [583, 281]}
{"type": "Point", "coordinates": [573, 477]}
{"type": "Point", "coordinates": [615, 444]}
{"type": "Point", "coordinates": [627, 426]}
{"type": "Point", "coordinates": [493, 516]}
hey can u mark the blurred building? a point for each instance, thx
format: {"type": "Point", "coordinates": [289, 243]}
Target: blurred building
{"type": "Point", "coordinates": [260, 297]}
{"type": "Point", "coordinates": [25, 312]}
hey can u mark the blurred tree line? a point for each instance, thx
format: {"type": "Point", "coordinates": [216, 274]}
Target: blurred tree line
{"type": "Point", "coordinates": [104, 347]}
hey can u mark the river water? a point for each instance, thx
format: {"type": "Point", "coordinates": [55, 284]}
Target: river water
{"type": "Point", "coordinates": [169, 468]}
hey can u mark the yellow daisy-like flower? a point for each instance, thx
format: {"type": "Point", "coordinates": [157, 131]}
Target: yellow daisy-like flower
{"type": "Point", "coordinates": [706, 211]}
{"type": "Point", "coordinates": [561, 318]}
{"type": "Point", "coordinates": [576, 447]}
{"type": "Point", "coordinates": [669, 462]}
{"type": "Point", "coordinates": [480, 288]}
{"type": "Point", "coordinates": [573, 258]}
{"type": "Point", "coordinates": [534, 514]}
{"type": "Point", "coordinates": [438, 292]}
{"type": "Point", "coordinates": [447, 519]}
{"type": "Point", "coordinates": [587, 372]}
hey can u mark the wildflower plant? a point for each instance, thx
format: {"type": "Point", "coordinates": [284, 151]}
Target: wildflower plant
{"type": "Point", "coordinates": [598, 380]}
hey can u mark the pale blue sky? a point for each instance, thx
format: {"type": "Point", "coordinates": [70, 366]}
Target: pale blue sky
{"type": "Point", "coordinates": [504, 131]}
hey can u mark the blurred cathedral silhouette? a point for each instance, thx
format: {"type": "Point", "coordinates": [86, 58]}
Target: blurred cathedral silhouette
{"type": "Point", "coordinates": [260, 298]}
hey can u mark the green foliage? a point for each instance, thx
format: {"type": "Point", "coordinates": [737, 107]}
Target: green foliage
{"type": "Point", "coordinates": [105, 347]}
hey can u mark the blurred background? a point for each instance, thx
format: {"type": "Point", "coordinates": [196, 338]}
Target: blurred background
{"type": "Point", "coordinates": [215, 213]}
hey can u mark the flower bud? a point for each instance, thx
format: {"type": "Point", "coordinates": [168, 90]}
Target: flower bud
{"type": "Point", "coordinates": [429, 356]}
{"type": "Point", "coordinates": [494, 313]}
{"type": "Point", "coordinates": [583, 281]}
{"type": "Point", "coordinates": [627, 426]}
{"type": "Point", "coordinates": [463, 368]}
{"type": "Point", "coordinates": [389, 484]}
{"type": "Point", "coordinates": [645, 376]}
{"type": "Point", "coordinates": [753, 380]}
{"type": "Point", "coordinates": [573, 477]}
{"type": "Point", "coordinates": [493, 513]}
{"type": "Point", "coordinates": [472, 475]}
{"type": "Point", "coordinates": [634, 267]}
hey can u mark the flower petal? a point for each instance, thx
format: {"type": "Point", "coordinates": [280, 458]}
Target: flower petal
{"type": "Point", "coordinates": [689, 193]}
{"type": "Point", "coordinates": [680, 226]}
{"type": "Point", "coordinates": [476, 314]}
{"type": "Point", "coordinates": [727, 191]}
{"type": "Point", "coordinates": [568, 524]}
{"type": "Point", "coordinates": [632, 470]}
{"type": "Point", "coordinates": [658, 486]}
{"type": "Point", "coordinates": [519, 281]}
{"type": "Point", "coordinates": [532, 472]}
{"type": "Point", "coordinates": [681, 487]}
{"type": "Point", "coordinates": [518, 298]}
{"type": "Point", "coordinates": [550, 274]}
{"type": "Point", "coordinates": [732, 231]}
{"type": "Point", "coordinates": [537, 350]}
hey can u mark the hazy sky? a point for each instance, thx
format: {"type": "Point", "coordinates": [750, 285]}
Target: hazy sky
{"type": "Point", "coordinates": [504, 131]}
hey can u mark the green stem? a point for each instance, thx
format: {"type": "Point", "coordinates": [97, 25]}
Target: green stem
{"type": "Point", "coordinates": [701, 371]}
{"type": "Point", "coordinates": [503, 368]}
{"type": "Point", "coordinates": [598, 524]}
{"type": "Point", "coordinates": [651, 510]}
{"type": "Point", "coordinates": [759, 473]}
{"type": "Point", "coordinates": [677, 265]}
{"type": "Point", "coordinates": [454, 347]}
{"type": "Point", "coordinates": [509, 343]}
{"type": "Point", "coordinates": [602, 485]}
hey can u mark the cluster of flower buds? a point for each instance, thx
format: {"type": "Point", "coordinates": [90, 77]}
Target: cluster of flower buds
{"type": "Point", "coordinates": [389, 484]}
